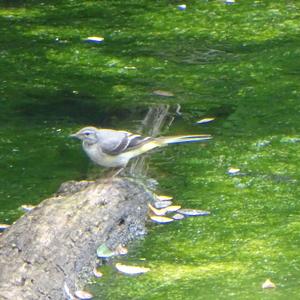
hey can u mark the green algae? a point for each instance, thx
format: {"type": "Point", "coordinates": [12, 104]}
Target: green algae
{"type": "Point", "coordinates": [238, 63]}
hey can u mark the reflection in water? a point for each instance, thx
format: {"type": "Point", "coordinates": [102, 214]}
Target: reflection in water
{"type": "Point", "coordinates": [156, 118]}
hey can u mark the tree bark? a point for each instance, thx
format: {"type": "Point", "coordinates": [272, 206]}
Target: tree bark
{"type": "Point", "coordinates": [53, 247]}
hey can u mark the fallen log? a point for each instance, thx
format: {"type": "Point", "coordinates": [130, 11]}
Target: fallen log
{"type": "Point", "coordinates": [51, 250]}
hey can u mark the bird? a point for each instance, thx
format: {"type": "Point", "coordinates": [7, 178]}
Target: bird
{"type": "Point", "coordinates": [115, 148]}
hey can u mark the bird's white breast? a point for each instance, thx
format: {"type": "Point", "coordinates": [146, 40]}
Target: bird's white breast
{"type": "Point", "coordinates": [110, 161]}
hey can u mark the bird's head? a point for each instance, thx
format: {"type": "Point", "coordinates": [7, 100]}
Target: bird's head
{"type": "Point", "coordinates": [87, 134]}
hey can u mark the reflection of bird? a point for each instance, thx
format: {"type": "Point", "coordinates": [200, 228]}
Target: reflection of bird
{"type": "Point", "coordinates": [113, 148]}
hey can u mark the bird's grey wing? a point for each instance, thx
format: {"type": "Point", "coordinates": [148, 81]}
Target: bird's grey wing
{"type": "Point", "coordinates": [133, 141]}
{"type": "Point", "coordinates": [109, 140]}
{"type": "Point", "coordinates": [114, 142]}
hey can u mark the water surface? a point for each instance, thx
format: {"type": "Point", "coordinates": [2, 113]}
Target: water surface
{"type": "Point", "coordinates": [238, 63]}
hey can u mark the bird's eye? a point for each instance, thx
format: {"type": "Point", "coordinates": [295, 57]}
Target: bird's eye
{"type": "Point", "coordinates": [87, 133]}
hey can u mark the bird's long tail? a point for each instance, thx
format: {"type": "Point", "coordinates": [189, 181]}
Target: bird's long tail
{"type": "Point", "coordinates": [152, 143]}
{"type": "Point", "coordinates": [183, 139]}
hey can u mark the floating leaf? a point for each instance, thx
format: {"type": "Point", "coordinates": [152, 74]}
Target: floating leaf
{"type": "Point", "coordinates": [233, 171]}
{"type": "Point", "coordinates": [104, 252]}
{"type": "Point", "coordinates": [229, 1]}
{"type": "Point", "coordinates": [172, 208]}
{"type": "Point", "coordinates": [129, 68]}
{"type": "Point", "coordinates": [27, 207]}
{"type": "Point", "coordinates": [178, 217]}
{"type": "Point", "coordinates": [83, 295]}
{"type": "Point", "coordinates": [193, 212]}
{"type": "Point", "coordinates": [164, 198]}
{"type": "Point", "coordinates": [205, 120]}
{"type": "Point", "coordinates": [163, 93]}
{"type": "Point", "coordinates": [121, 250]}
{"type": "Point", "coordinates": [4, 226]}
{"type": "Point", "coordinates": [181, 7]}
{"type": "Point", "coordinates": [162, 204]}
{"type": "Point", "coordinates": [268, 284]}
{"type": "Point", "coordinates": [95, 39]}
{"type": "Point", "coordinates": [163, 211]}
{"type": "Point", "coordinates": [290, 139]}
{"type": "Point", "coordinates": [131, 270]}
{"type": "Point", "coordinates": [97, 273]}
{"type": "Point", "coordinates": [158, 212]}
{"type": "Point", "coordinates": [160, 219]}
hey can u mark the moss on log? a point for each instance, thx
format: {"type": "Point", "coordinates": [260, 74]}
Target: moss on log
{"type": "Point", "coordinates": [54, 246]}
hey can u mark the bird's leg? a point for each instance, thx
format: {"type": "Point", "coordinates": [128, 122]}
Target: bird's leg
{"type": "Point", "coordinates": [113, 173]}
{"type": "Point", "coordinates": [119, 170]}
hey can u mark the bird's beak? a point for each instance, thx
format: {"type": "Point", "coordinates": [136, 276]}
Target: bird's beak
{"type": "Point", "coordinates": [74, 135]}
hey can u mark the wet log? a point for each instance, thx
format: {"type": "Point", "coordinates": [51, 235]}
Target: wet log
{"type": "Point", "coordinates": [51, 250]}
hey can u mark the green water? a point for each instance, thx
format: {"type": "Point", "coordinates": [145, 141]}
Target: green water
{"type": "Point", "coordinates": [239, 63]}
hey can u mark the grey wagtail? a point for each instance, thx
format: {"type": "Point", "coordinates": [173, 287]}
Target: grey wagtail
{"type": "Point", "coordinates": [113, 148]}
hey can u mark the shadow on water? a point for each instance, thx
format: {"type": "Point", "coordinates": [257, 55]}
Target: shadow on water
{"type": "Point", "coordinates": [185, 51]}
